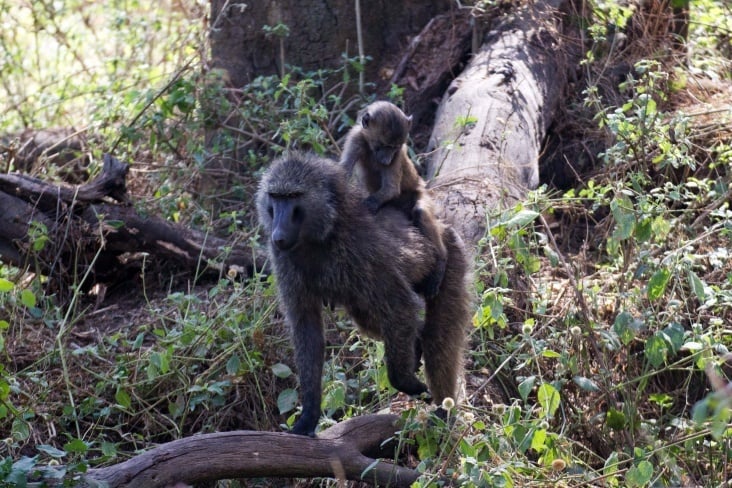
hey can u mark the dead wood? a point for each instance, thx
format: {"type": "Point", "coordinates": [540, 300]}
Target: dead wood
{"type": "Point", "coordinates": [348, 450]}
{"type": "Point", "coordinates": [427, 65]}
{"type": "Point", "coordinates": [95, 225]}
{"type": "Point", "coordinates": [492, 121]}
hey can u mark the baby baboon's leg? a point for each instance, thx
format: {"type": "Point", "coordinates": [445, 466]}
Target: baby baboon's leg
{"type": "Point", "coordinates": [427, 224]}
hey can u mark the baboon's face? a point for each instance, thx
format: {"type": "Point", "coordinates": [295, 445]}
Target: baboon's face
{"type": "Point", "coordinates": [296, 203]}
{"type": "Point", "coordinates": [287, 215]}
{"type": "Point", "coordinates": [386, 129]}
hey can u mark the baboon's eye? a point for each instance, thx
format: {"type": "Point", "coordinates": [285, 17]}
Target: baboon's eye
{"type": "Point", "coordinates": [270, 211]}
{"type": "Point", "coordinates": [297, 214]}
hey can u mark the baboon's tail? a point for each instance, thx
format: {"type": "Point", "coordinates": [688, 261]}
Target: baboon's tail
{"type": "Point", "coordinates": [447, 319]}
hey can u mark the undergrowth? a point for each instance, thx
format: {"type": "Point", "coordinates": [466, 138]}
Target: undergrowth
{"type": "Point", "coordinates": [603, 313]}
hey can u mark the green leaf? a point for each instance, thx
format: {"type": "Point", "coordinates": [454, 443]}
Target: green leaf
{"type": "Point", "coordinates": [428, 447]}
{"type": "Point", "coordinates": [115, 224]}
{"type": "Point", "coordinates": [622, 210]}
{"type": "Point", "coordinates": [20, 430]}
{"type": "Point", "coordinates": [123, 398]}
{"type": "Point", "coordinates": [657, 284]}
{"type": "Point", "coordinates": [626, 327]}
{"type": "Point", "coordinates": [673, 333]}
{"type": "Point", "coordinates": [644, 230]}
{"type": "Point", "coordinates": [615, 419]}
{"type": "Point", "coordinates": [109, 449]}
{"type": "Point", "coordinates": [639, 475]}
{"type": "Point", "coordinates": [656, 351]}
{"type": "Point", "coordinates": [76, 445]}
{"type": "Point", "coordinates": [281, 370]}
{"type": "Point", "coordinates": [51, 451]}
{"type": "Point", "coordinates": [160, 361]}
{"type": "Point", "coordinates": [526, 386]}
{"type": "Point", "coordinates": [6, 285]}
{"type": "Point", "coordinates": [586, 383]}
{"type": "Point", "coordinates": [548, 353]}
{"type": "Point", "coordinates": [522, 218]}
{"type": "Point", "coordinates": [661, 399]}
{"type": "Point", "coordinates": [611, 466]}
{"type": "Point", "coordinates": [697, 286]}
{"type": "Point", "coordinates": [28, 298]}
{"type": "Point", "coordinates": [232, 365]}
{"type": "Point", "coordinates": [287, 400]}
{"type": "Point", "coordinates": [538, 440]}
{"type": "Point", "coordinates": [335, 396]}
{"type": "Point", "coordinates": [549, 399]}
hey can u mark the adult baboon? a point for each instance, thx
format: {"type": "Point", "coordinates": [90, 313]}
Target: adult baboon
{"type": "Point", "coordinates": [378, 145]}
{"type": "Point", "coordinates": [326, 247]}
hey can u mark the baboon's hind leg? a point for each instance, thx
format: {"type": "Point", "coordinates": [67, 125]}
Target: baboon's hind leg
{"type": "Point", "coordinates": [447, 318]}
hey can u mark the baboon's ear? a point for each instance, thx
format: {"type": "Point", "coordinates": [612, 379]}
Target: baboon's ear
{"type": "Point", "coordinates": [409, 121]}
{"type": "Point", "coordinates": [365, 119]}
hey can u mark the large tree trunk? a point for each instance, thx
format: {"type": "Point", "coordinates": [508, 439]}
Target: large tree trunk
{"type": "Point", "coordinates": [493, 119]}
{"type": "Point", "coordinates": [317, 34]}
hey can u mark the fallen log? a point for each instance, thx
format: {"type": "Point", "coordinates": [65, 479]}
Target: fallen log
{"type": "Point", "coordinates": [350, 450]}
{"type": "Point", "coordinates": [493, 118]}
{"type": "Point", "coordinates": [62, 230]}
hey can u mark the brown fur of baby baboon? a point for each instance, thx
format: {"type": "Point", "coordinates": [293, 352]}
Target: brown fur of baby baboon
{"type": "Point", "coordinates": [377, 144]}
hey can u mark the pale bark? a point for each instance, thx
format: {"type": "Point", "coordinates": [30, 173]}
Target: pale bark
{"type": "Point", "coordinates": [493, 119]}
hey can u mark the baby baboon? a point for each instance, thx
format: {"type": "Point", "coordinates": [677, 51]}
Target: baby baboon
{"type": "Point", "coordinates": [327, 248]}
{"type": "Point", "coordinates": [378, 145]}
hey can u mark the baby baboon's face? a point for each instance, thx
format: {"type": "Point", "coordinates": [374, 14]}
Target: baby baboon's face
{"type": "Point", "coordinates": [386, 129]}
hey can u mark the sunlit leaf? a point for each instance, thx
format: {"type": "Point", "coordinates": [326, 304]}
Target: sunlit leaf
{"type": "Point", "coordinates": [657, 284]}
{"type": "Point", "coordinates": [611, 466]}
{"type": "Point", "coordinates": [28, 298]}
{"type": "Point", "coordinates": [538, 440]}
{"type": "Point", "coordinates": [549, 399]}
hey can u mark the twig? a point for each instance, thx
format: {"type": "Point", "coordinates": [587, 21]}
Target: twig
{"type": "Point", "coordinates": [160, 92]}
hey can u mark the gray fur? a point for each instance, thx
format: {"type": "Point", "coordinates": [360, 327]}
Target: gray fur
{"type": "Point", "coordinates": [326, 247]}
